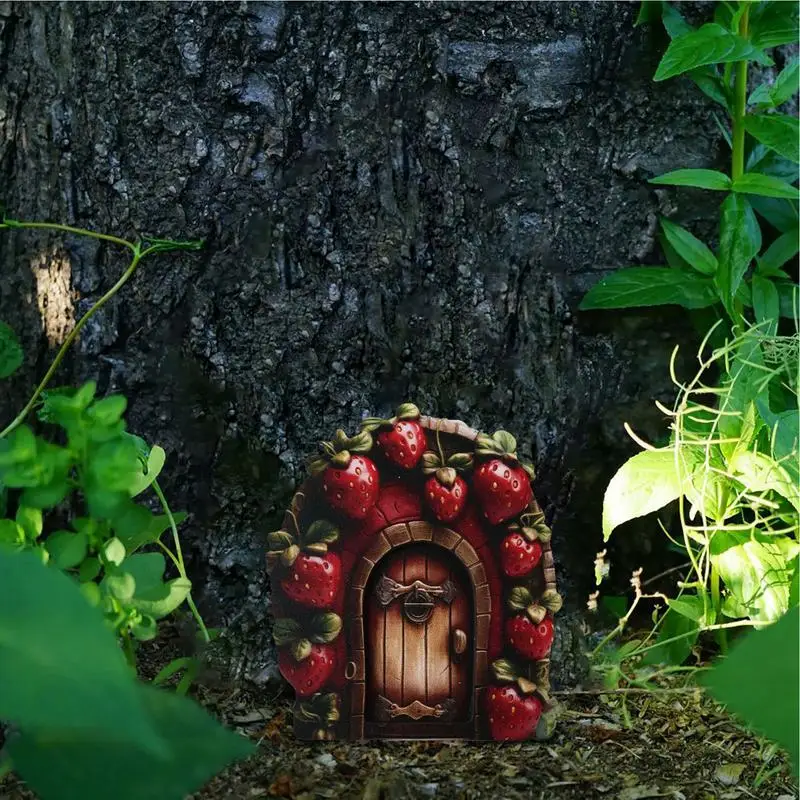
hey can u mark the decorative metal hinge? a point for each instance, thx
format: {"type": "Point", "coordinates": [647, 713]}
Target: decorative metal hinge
{"type": "Point", "coordinates": [388, 590]}
{"type": "Point", "coordinates": [386, 710]}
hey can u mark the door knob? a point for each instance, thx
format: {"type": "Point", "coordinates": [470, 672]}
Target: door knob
{"type": "Point", "coordinates": [459, 641]}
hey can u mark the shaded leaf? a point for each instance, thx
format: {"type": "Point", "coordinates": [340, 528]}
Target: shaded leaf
{"type": "Point", "coordinates": [766, 304]}
{"type": "Point", "coordinates": [700, 178]}
{"type": "Point", "coordinates": [740, 241]}
{"type": "Point", "coordinates": [634, 287]}
{"type": "Point", "coordinates": [779, 132]}
{"type": "Point", "coordinates": [10, 351]}
{"type": "Point", "coordinates": [690, 248]}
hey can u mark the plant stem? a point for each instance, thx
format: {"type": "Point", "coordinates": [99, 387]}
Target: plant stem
{"type": "Point", "coordinates": [53, 226]}
{"type": "Point", "coordinates": [73, 334]}
{"type": "Point", "coordinates": [739, 103]}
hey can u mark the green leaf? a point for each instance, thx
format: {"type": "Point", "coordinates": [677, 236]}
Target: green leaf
{"type": "Point", "coordinates": [321, 532]}
{"type": "Point", "coordinates": [701, 178]}
{"type": "Point", "coordinates": [30, 520]}
{"type": "Point", "coordinates": [95, 766]}
{"type": "Point", "coordinates": [689, 606]}
{"type": "Point", "coordinates": [770, 704]}
{"type": "Point", "coordinates": [781, 214]}
{"type": "Point", "coordinates": [325, 627]}
{"type": "Point", "coordinates": [155, 463]}
{"type": "Point", "coordinates": [773, 24]}
{"type": "Point", "coordinates": [11, 534]}
{"type": "Point", "coordinates": [766, 304]}
{"type": "Point", "coordinates": [644, 483]}
{"type": "Point", "coordinates": [89, 570]}
{"type": "Point", "coordinates": [649, 12]}
{"type": "Point", "coordinates": [710, 44]}
{"type": "Point", "coordinates": [740, 241]}
{"type": "Point", "coordinates": [634, 287]}
{"type": "Point", "coordinates": [708, 80]}
{"type": "Point", "coordinates": [789, 298]}
{"type": "Point", "coordinates": [786, 85]}
{"type": "Point", "coordinates": [285, 631]}
{"type": "Point", "coordinates": [676, 637]}
{"type": "Point", "coordinates": [765, 185]}
{"type": "Point", "coordinates": [779, 132]}
{"type": "Point", "coordinates": [114, 551]}
{"type": "Point", "coordinates": [674, 23]}
{"type": "Point", "coordinates": [689, 248]}
{"type": "Point", "coordinates": [760, 473]}
{"type": "Point", "coordinates": [67, 549]}
{"type": "Point", "coordinates": [148, 572]}
{"type": "Point", "coordinates": [10, 351]}
{"type": "Point", "coordinates": [755, 572]}
{"type": "Point", "coordinates": [109, 410]}
{"type": "Point", "coordinates": [146, 629]}
{"type": "Point", "coordinates": [119, 584]}
{"type": "Point", "coordinates": [780, 252]}
{"type": "Point", "coordinates": [60, 666]}
{"type": "Point", "coordinates": [161, 602]}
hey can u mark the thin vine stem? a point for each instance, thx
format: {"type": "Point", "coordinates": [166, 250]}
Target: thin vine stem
{"type": "Point", "coordinates": [54, 226]}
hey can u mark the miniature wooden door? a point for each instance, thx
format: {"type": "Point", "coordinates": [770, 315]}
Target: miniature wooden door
{"type": "Point", "coordinates": [420, 645]}
{"type": "Point", "coordinates": [413, 587]}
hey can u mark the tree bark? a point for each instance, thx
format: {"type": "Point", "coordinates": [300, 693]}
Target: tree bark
{"type": "Point", "coordinates": [400, 201]}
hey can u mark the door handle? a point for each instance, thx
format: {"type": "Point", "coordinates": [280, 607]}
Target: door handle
{"type": "Point", "coordinates": [459, 641]}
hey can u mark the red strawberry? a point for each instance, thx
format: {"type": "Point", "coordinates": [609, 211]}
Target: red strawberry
{"type": "Point", "coordinates": [352, 489]}
{"type": "Point", "coordinates": [404, 444]}
{"type": "Point", "coordinates": [401, 437]}
{"type": "Point", "coordinates": [518, 556]}
{"type": "Point", "coordinates": [512, 717]}
{"type": "Point", "coordinates": [312, 673]}
{"type": "Point", "coordinates": [502, 483]}
{"type": "Point", "coordinates": [528, 638]}
{"type": "Point", "coordinates": [349, 480]}
{"type": "Point", "coordinates": [312, 580]}
{"type": "Point", "coordinates": [446, 494]}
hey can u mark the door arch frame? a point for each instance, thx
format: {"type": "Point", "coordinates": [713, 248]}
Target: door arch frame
{"type": "Point", "coordinates": [384, 542]}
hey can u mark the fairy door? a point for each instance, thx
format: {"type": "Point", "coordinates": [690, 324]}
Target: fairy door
{"type": "Point", "coordinates": [420, 651]}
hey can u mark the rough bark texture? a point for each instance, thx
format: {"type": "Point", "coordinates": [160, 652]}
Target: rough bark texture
{"type": "Point", "coordinates": [399, 201]}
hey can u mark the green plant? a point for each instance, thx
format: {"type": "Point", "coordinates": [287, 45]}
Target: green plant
{"type": "Point", "coordinates": [82, 726]}
{"type": "Point", "coordinates": [71, 494]}
{"type": "Point", "coordinates": [742, 279]}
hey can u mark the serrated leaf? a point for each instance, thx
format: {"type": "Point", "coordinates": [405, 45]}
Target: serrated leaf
{"type": "Point", "coordinates": [645, 483]}
{"type": "Point", "coordinates": [690, 248]}
{"type": "Point", "coordinates": [765, 186]}
{"type": "Point", "coordinates": [67, 549]}
{"type": "Point", "coordinates": [699, 178]}
{"type": "Point", "coordinates": [709, 44]}
{"type": "Point", "coordinates": [10, 351]}
{"type": "Point", "coordinates": [635, 287]}
{"type": "Point", "coordinates": [779, 132]}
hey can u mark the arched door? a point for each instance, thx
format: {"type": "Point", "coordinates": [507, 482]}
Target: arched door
{"type": "Point", "coordinates": [420, 648]}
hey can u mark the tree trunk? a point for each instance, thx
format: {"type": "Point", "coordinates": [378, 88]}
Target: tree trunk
{"type": "Point", "coordinates": [399, 201]}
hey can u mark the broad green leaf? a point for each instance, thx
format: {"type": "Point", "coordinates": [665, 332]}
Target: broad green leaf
{"type": "Point", "coordinates": [781, 214]}
{"type": "Point", "coordinates": [768, 162]}
{"type": "Point", "coordinates": [67, 549]}
{"type": "Point", "coordinates": [119, 584]}
{"type": "Point", "coordinates": [701, 178]}
{"type": "Point", "coordinates": [649, 12]}
{"type": "Point", "coordinates": [10, 351]}
{"type": "Point", "coordinates": [11, 534]}
{"type": "Point", "coordinates": [60, 666]}
{"type": "Point", "coordinates": [780, 252]}
{"type": "Point", "coordinates": [707, 490]}
{"type": "Point", "coordinates": [108, 410]}
{"type": "Point", "coordinates": [794, 588]}
{"type": "Point", "coordinates": [148, 571]}
{"type": "Point", "coordinates": [759, 682]}
{"type": "Point", "coordinates": [755, 573]}
{"type": "Point", "coordinates": [30, 519]}
{"type": "Point", "coordinates": [766, 304]}
{"type": "Point", "coordinates": [774, 23]}
{"type": "Point", "coordinates": [689, 248]}
{"type": "Point", "coordinates": [765, 185]}
{"type": "Point", "coordinates": [114, 551]}
{"type": "Point", "coordinates": [650, 286]}
{"type": "Point", "coordinates": [710, 44]}
{"type": "Point", "coordinates": [689, 606]}
{"type": "Point", "coordinates": [159, 602]}
{"type": "Point", "coordinates": [676, 637]}
{"type": "Point", "coordinates": [94, 766]}
{"type": "Point", "coordinates": [708, 80]}
{"type": "Point", "coordinates": [779, 132]}
{"type": "Point", "coordinates": [786, 85]}
{"type": "Point", "coordinates": [673, 21]}
{"type": "Point", "coordinates": [760, 473]}
{"type": "Point", "coordinates": [133, 539]}
{"type": "Point", "coordinates": [646, 482]}
{"type": "Point", "coordinates": [146, 629]}
{"type": "Point", "coordinates": [740, 241]}
{"type": "Point", "coordinates": [155, 463]}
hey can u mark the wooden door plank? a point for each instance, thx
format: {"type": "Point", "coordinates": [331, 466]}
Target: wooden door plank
{"type": "Point", "coordinates": [414, 666]}
{"type": "Point", "coordinates": [394, 664]}
{"type": "Point", "coordinates": [375, 650]}
{"type": "Point", "coordinates": [460, 670]}
{"type": "Point", "coordinates": [437, 633]}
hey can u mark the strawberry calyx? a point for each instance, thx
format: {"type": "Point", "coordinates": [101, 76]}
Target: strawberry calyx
{"type": "Point", "coordinates": [338, 452]}
{"type": "Point", "coordinates": [405, 411]}
{"type": "Point", "coordinates": [506, 671]}
{"type": "Point", "coordinates": [320, 710]}
{"type": "Point", "coordinates": [532, 526]}
{"type": "Point", "coordinates": [285, 547]}
{"type": "Point", "coordinates": [521, 599]}
{"type": "Point", "coordinates": [502, 445]}
{"type": "Point", "coordinates": [298, 637]}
